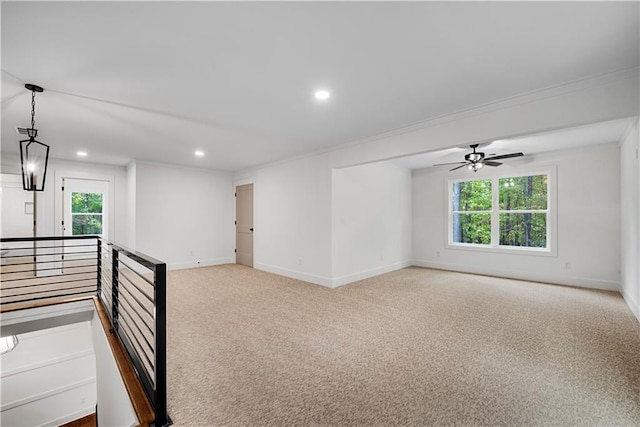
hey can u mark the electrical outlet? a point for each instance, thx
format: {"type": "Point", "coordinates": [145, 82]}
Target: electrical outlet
{"type": "Point", "coordinates": [438, 253]}
{"type": "Point", "coordinates": [567, 265]}
{"type": "Point", "coordinates": [299, 261]}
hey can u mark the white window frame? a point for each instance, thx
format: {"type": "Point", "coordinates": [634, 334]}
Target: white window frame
{"type": "Point", "coordinates": [494, 246]}
{"type": "Point", "coordinates": [101, 213]}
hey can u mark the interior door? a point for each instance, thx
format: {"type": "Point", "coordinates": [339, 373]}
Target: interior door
{"type": "Point", "coordinates": [244, 225]}
{"type": "Point", "coordinates": [85, 208]}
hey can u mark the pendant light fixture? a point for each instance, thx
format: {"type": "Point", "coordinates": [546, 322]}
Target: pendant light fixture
{"type": "Point", "coordinates": [34, 155]}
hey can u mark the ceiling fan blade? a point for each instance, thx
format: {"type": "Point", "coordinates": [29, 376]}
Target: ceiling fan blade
{"type": "Point", "coordinates": [453, 163]}
{"type": "Point", "coordinates": [490, 163]}
{"type": "Point", "coordinates": [505, 156]}
{"type": "Point", "coordinates": [456, 168]}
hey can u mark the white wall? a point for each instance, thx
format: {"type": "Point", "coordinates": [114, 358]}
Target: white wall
{"type": "Point", "coordinates": [181, 214]}
{"type": "Point", "coordinates": [292, 219]}
{"type": "Point", "coordinates": [588, 208]}
{"type": "Point", "coordinates": [114, 406]}
{"type": "Point", "coordinates": [131, 207]}
{"type": "Point", "coordinates": [49, 202]}
{"type": "Point", "coordinates": [184, 216]}
{"type": "Point", "coordinates": [293, 211]}
{"type": "Point", "coordinates": [16, 207]}
{"type": "Point", "coordinates": [630, 220]}
{"type": "Point", "coordinates": [61, 368]}
{"type": "Point", "coordinates": [50, 377]}
{"type": "Point", "coordinates": [371, 221]}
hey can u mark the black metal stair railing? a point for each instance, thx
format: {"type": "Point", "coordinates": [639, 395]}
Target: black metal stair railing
{"type": "Point", "coordinates": [131, 285]}
{"type": "Point", "coordinates": [42, 268]}
{"type": "Point", "coordinates": [133, 288]}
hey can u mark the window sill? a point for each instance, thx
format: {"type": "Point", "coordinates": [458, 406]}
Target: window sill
{"type": "Point", "coordinates": [511, 250]}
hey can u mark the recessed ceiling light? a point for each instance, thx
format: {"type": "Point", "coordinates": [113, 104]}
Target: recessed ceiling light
{"type": "Point", "coordinates": [322, 95]}
{"type": "Point", "coordinates": [82, 153]}
{"type": "Point", "coordinates": [199, 153]}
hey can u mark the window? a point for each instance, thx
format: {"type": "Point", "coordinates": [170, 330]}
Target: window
{"type": "Point", "coordinates": [523, 211]}
{"type": "Point", "coordinates": [471, 212]}
{"type": "Point", "coordinates": [86, 213]}
{"type": "Point", "coordinates": [505, 213]}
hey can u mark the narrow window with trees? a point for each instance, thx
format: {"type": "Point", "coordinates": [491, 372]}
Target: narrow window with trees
{"type": "Point", "coordinates": [510, 212]}
{"type": "Point", "coordinates": [471, 212]}
{"type": "Point", "coordinates": [523, 211]}
{"type": "Point", "coordinates": [86, 213]}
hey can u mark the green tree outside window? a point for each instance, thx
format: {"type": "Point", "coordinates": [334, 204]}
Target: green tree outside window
{"type": "Point", "coordinates": [520, 215]}
{"type": "Point", "coordinates": [86, 213]}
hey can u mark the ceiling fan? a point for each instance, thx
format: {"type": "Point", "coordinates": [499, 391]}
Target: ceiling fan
{"type": "Point", "coordinates": [477, 160]}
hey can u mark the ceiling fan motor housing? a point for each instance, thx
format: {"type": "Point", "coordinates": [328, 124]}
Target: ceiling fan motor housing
{"type": "Point", "coordinates": [474, 157]}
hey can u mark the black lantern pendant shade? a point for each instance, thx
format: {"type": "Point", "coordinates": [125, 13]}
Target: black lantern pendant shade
{"type": "Point", "coordinates": [34, 155]}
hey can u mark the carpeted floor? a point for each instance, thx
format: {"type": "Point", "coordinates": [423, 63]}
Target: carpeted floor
{"type": "Point", "coordinates": [412, 347]}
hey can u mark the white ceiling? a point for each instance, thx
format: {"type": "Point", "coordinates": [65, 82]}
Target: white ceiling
{"type": "Point", "coordinates": [157, 80]}
{"type": "Point", "coordinates": [565, 139]}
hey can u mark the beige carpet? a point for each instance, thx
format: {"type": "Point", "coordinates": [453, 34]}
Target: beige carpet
{"type": "Point", "coordinates": [412, 347]}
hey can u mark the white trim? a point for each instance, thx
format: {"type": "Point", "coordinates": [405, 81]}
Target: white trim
{"type": "Point", "coordinates": [203, 263]}
{"type": "Point", "coordinates": [635, 308]}
{"type": "Point", "coordinates": [71, 417]}
{"type": "Point", "coordinates": [507, 250]}
{"type": "Point", "coordinates": [494, 177]}
{"type": "Point", "coordinates": [350, 278]}
{"type": "Point", "coordinates": [178, 166]}
{"type": "Point", "coordinates": [59, 390]}
{"type": "Point", "coordinates": [46, 312]}
{"type": "Point", "coordinates": [528, 276]}
{"type": "Point", "coordinates": [317, 280]}
{"type": "Point", "coordinates": [58, 203]}
{"type": "Point", "coordinates": [48, 362]}
{"type": "Point", "coordinates": [629, 129]}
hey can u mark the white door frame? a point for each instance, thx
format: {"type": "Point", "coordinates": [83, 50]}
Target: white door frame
{"type": "Point", "coordinates": [59, 202]}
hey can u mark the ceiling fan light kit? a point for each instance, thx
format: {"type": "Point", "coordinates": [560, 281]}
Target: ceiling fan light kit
{"type": "Point", "coordinates": [476, 160]}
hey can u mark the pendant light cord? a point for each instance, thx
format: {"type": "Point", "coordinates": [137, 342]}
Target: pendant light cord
{"type": "Point", "coordinates": [33, 109]}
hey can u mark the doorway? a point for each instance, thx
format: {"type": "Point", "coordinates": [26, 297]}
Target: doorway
{"type": "Point", "coordinates": [244, 225]}
{"type": "Point", "coordinates": [85, 207]}
{"type": "Point", "coordinates": [84, 212]}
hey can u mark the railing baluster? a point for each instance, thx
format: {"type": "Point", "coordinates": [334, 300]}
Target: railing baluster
{"type": "Point", "coordinates": [160, 279]}
{"type": "Point", "coordinates": [99, 267]}
{"type": "Point", "coordinates": [114, 288]}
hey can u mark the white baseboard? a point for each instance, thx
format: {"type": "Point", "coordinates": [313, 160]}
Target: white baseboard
{"type": "Point", "coordinates": [582, 282]}
{"type": "Point", "coordinates": [201, 263]}
{"type": "Point", "coordinates": [72, 417]}
{"type": "Point", "coordinates": [635, 308]}
{"type": "Point", "coordinates": [350, 278]}
{"type": "Point", "coordinates": [318, 280]}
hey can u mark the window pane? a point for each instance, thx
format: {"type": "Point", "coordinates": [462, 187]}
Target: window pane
{"type": "Point", "coordinates": [86, 202]}
{"type": "Point", "coordinates": [472, 195]}
{"type": "Point", "coordinates": [523, 229]}
{"type": "Point", "coordinates": [86, 224]}
{"type": "Point", "coordinates": [472, 228]}
{"type": "Point", "coordinates": [523, 192]}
